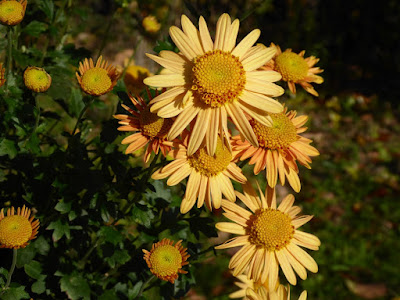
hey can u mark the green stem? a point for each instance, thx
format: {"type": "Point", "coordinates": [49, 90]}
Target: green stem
{"type": "Point", "coordinates": [82, 262]}
{"type": "Point", "coordinates": [36, 120]}
{"type": "Point", "coordinates": [144, 285]}
{"type": "Point", "coordinates": [81, 114]}
{"type": "Point", "coordinates": [14, 262]}
{"type": "Point", "coordinates": [9, 54]}
{"type": "Point", "coordinates": [105, 38]}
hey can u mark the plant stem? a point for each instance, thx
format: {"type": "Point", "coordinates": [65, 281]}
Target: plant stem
{"type": "Point", "coordinates": [143, 286]}
{"type": "Point", "coordinates": [105, 38]}
{"type": "Point", "coordinates": [81, 114]}
{"type": "Point", "coordinates": [14, 262]}
{"type": "Point", "coordinates": [36, 120]}
{"type": "Point", "coordinates": [82, 262]}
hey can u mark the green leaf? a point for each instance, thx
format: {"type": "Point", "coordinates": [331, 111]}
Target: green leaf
{"type": "Point", "coordinates": [108, 295]}
{"type": "Point", "coordinates": [33, 269]}
{"type": "Point", "coordinates": [47, 6]}
{"type": "Point", "coordinates": [25, 255]}
{"type": "Point", "coordinates": [110, 235]}
{"type": "Point", "coordinates": [118, 257]}
{"type": "Point", "coordinates": [75, 102]}
{"type": "Point", "coordinates": [7, 147]}
{"type": "Point", "coordinates": [41, 245]}
{"type": "Point", "coordinates": [60, 229]}
{"type": "Point", "coordinates": [142, 215]}
{"type": "Point", "coordinates": [63, 207]}
{"type": "Point", "coordinates": [14, 293]}
{"type": "Point", "coordinates": [35, 28]}
{"type": "Point", "coordinates": [75, 286]}
{"type": "Point", "coordinates": [133, 292]}
{"type": "Point", "coordinates": [38, 287]}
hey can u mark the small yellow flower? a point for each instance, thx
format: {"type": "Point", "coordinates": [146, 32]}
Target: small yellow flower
{"type": "Point", "coordinates": [133, 78]}
{"type": "Point", "coordinates": [165, 260]}
{"type": "Point", "coordinates": [2, 77]}
{"type": "Point", "coordinates": [294, 68]}
{"type": "Point", "coordinates": [12, 12]}
{"type": "Point", "coordinates": [99, 79]}
{"type": "Point", "coordinates": [150, 24]}
{"type": "Point", "coordinates": [17, 230]}
{"type": "Point", "coordinates": [37, 79]}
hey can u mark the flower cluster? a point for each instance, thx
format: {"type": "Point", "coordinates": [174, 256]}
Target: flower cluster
{"type": "Point", "coordinates": [208, 82]}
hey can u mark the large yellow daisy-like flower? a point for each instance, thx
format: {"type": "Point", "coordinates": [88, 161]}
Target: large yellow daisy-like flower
{"type": "Point", "coordinates": [294, 68]}
{"type": "Point", "coordinates": [12, 12]}
{"type": "Point", "coordinates": [99, 79]}
{"type": "Point", "coordinates": [209, 175]}
{"type": "Point", "coordinates": [150, 129]}
{"type": "Point", "coordinates": [280, 146]}
{"type": "Point", "coordinates": [269, 237]}
{"type": "Point", "coordinates": [165, 260]}
{"type": "Point", "coordinates": [16, 230]}
{"type": "Point", "coordinates": [282, 293]}
{"type": "Point", "coordinates": [2, 77]}
{"type": "Point", "coordinates": [210, 81]}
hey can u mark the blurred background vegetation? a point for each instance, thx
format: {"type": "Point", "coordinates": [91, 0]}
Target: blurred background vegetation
{"type": "Point", "coordinates": [352, 189]}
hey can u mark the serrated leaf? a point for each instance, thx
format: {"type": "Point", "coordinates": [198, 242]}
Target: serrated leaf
{"type": "Point", "coordinates": [25, 255]}
{"type": "Point", "coordinates": [47, 6]}
{"type": "Point", "coordinates": [118, 257]}
{"type": "Point", "coordinates": [60, 229]}
{"type": "Point", "coordinates": [63, 207]}
{"type": "Point", "coordinates": [15, 293]}
{"type": "Point", "coordinates": [75, 286]}
{"type": "Point", "coordinates": [133, 292]}
{"type": "Point", "coordinates": [142, 215]}
{"type": "Point", "coordinates": [41, 245]}
{"type": "Point", "coordinates": [110, 235]}
{"type": "Point", "coordinates": [35, 28]}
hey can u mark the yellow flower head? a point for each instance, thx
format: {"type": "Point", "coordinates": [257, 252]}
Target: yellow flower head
{"type": "Point", "coordinates": [148, 129]}
{"type": "Point", "coordinates": [12, 11]}
{"type": "Point", "coordinates": [294, 68]}
{"type": "Point", "coordinates": [133, 78]}
{"type": "Point", "coordinates": [17, 229]}
{"type": "Point", "coordinates": [99, 79]}
{"type": "Point", "coordinates": [269, 237]}
{"type": "Point", "coordinates": [37, 79]}
{"type": "Point", "coordinates": [281, 293]}
{"type": "Point", "coordinates": [211, 80]}
{"type": "Point", "coordinates": [280, 147]}
{"type": "Point", "coordinates": [150, 24]}
{"type": "Point", "coordinates": [166, 260]}
{"type": "Point", "coordinates": [2, 77]}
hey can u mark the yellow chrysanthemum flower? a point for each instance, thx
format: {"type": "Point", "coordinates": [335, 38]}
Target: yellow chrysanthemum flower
{"type": "Point", "coordinates": [269, 237]}
{"type": "Point", "coordinates": [151, 129]}
{"type": "Point", "coordinates": [245, 284]}
{"type": "Point", "coordinates": [166, 260]}
{"type": "Point", "coordinates": [282, 293]}
{"type": "Point", "coordinates": [150, 24]}
{"type": "Point", "coordinates": [209, 175]}
{"type": "Point", "coordinates": [2, 77]}
{"type": "Point", "coordinates": [210, 81]}
{"type": "Point", "coordinates": [133, 78]}
{"type": "Point", "coordinates": [16, 230]}
{"type": "Point", "coordinates": [37, 79]}
{"type": "Point", "coordinates": [294, 68]}
{"type": "Point", "coordinates": [12, 12]}
{"type": "Point", "coordinates": [99, 79]}
{"type": "Point", "coordinates": [280, 146]}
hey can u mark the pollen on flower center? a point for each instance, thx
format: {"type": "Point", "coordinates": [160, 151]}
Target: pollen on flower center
{"type": "Point", "coordinates": [15, 230]}
{"type": "Point", "coordinates": [11, 12]}
{"type": "Point", "coordinates": [96, 81]}
{"type": "Point", "coordinates": [292, 66]}
{"type": "Point", "coordinates": [166, 260]}
{"type": "Point", "coordinates": [211, 165]}
{"type": "Point", "coordinates": [218, 77]}
{"type": "Point", "coordinates": [152, 125]}
{"type": "Point", "coordinates": [279, 136]}
{"type": "Point", "coordinates": [270, 229]}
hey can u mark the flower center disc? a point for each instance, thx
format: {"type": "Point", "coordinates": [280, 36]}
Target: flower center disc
{"type": "Point", "coordinates": [154, 126]}
{"type": "Point", "coordinates": [15, 231]}
{"type": "Point", "coordinates": [270, 229]}
{"type": "Point", "coordinates": [36, 79]}
{"type": "Point", "coordinates": [292, 66]}
{"type": "Point", "coordinates": [279, 136]}
{"type": "Point", "coordinates": [166, 260]}
{"type": "Point", "coordinates": [11, 12]}
{"type": "Point", "coordinates": [211, 165]}
{"type": "Point", "coordinates": [218, 77]}
{"type": "Point", "coordinates": [96, 81]}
